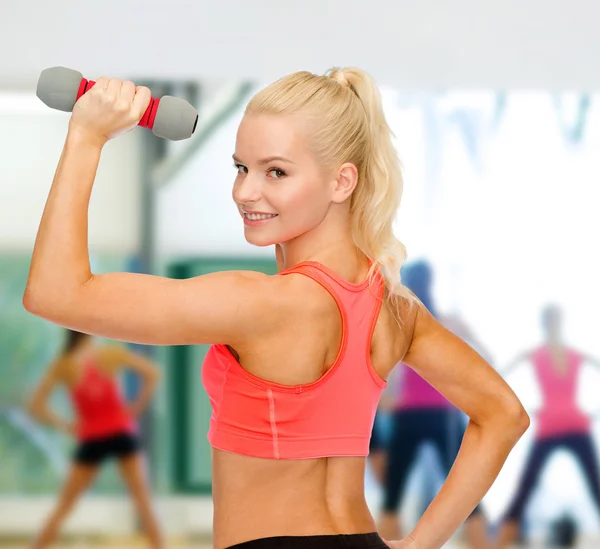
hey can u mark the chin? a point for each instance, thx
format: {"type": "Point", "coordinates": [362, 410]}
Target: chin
{"type": "Point", "coordinates": [260, 241]}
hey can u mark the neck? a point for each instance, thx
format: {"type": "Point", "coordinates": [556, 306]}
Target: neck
{"type": "Point", "coordinates": [82, 347]}
{"type": "Point", "coordinates": [554, 341]}
{"type": "Point", "coordinates": [330, 243]}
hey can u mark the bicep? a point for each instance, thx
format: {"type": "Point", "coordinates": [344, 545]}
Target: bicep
{"type": "Point", "coordinates": [456, 370]}
{"type": "Point", "coordinates": [153, 310]}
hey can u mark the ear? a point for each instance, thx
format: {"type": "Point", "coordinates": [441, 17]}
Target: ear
{"type": "Point", "coordinates": [346, 178]}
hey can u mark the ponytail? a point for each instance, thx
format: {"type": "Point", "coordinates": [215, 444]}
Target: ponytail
{"type": "Point", "coordinates": [376, 199]}
{"type": "Point", "coordinates": [350, 126]}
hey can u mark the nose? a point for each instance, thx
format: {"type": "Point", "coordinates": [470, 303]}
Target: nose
{"type": "Point", "coordinates": [247, 190]}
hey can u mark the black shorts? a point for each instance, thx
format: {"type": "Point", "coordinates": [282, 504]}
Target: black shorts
{"type": "Point", "coordinates": [341, 541]}
{"type": "Point", "coordinates": [93, 452]}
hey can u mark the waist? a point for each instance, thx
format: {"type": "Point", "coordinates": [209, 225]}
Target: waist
{"type": "Point", "coordinates": [89, 428]}
{"type": "Point", "coordinates": [335, 541]}
{"type": "Point", "coordinates": [258, 498]}
{"type": "Point", "coordinates": [553, 422]}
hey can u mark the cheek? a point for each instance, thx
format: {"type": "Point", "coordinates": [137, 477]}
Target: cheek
{"type": "Point", "coordinates": [299, 199]}
{"type": "Point", "coordinates": [302, 205]}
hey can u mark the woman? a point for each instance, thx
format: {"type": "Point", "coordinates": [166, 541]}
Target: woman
{"type": "Point", "coordinates": [300, 358]}
{"type": "Point", "coordinates": [104, 425]}
{"type": "Point", "coordinates": [561, 424]}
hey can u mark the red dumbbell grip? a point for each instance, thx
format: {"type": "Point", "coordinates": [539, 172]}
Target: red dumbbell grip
{"type": "Point", "coordinates": [147, 120]}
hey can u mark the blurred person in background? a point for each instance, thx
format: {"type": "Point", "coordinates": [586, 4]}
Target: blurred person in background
{"type": "Point", "coordinates": [561, 424]}
{"type": "Point", "coordinates": [421, 414]}
{"type": "Point", "coordinates": [104, 426]}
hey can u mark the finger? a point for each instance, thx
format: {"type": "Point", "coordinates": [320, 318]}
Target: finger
{"type": "Point", "coordinates": [102, 82]}
{"type": "Point", "coordinates": [141, 101]}
{"type": "Point", "coordinates": [114, 87]}
{"type": "Point", "coordinates": [128, 92]}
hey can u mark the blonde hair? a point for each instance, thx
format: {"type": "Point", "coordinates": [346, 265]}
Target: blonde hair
{"type": "Point", "coordinates": [345, 108]}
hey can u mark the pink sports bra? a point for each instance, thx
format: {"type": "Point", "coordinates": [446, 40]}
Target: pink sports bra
{"type": "Point", "coordinates": [332, 416]}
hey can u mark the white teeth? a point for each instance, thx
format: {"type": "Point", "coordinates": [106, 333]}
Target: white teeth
{"type": "Point", "coordinates": [258, 217]}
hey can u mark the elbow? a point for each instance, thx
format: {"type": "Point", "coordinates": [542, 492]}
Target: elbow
{"type": "Point", "coordinates": [514, 419]}
{"type": "Point", "coordinates": [54, 305]}
{"type": "Point", "coordinates": [30, 301]}
{"type": "Point", "coordinates": [38, 302]}
{"type": "Point", "coordinates": [523, 420]}
{"type": "Point", "coordinates": [504, 419]}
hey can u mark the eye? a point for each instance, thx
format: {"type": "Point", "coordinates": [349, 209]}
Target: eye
{"type": "Point", "coordinates": [275, 173]}
{"type": "Point", "coordinates": [240, 168]}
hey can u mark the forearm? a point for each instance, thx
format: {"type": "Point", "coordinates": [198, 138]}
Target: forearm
{"type": "Point", "coordinates": [47, 417]}
{"type": "Point", "coordinates": [482, 454]}
{"type": "Point", "coordinates": [141, 402]}
{"type": "Point", "coordinates": [60, 262]}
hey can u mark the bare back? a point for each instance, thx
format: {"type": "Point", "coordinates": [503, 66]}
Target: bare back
{"type": "Point", "coordinates": [256, 497]}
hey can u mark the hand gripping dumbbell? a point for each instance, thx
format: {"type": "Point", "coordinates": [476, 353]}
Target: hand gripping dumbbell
{"type": "Point", "coordinates": [168, 117]}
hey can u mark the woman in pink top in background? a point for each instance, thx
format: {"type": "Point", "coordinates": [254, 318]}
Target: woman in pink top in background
{"type": "Point", "coordinates": [561, 424]}
{"type": "Point", "coordinates": [421, 414]}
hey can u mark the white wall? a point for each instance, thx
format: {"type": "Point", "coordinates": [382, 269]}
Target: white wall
{"type": "Point", "coordinates": [425, 44]}
{"type": "Point", "coordinates": [195, 211]}
{"type": "Point", "coordinates": [31, 140]}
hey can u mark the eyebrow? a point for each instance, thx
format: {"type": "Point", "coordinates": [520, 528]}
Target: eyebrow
{"type": "Point", "coordinates": [267, 160]}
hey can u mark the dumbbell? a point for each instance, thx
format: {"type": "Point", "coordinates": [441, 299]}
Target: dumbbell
{"type": "Point", "coordinates": [168, 117]}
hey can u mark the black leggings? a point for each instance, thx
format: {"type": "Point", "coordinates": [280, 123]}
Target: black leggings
{"type": "Point", "coordinates": [581, 445]}
{"type": "Point", "coordinates": [341, 541]}
{"type": "Point", "coordinates": [411, 428]}
{"type": "Point", "coordinates": [377, 440]}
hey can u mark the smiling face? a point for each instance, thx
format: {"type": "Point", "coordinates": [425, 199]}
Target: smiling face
{"type": "Point", "coordinates": [280, 189]}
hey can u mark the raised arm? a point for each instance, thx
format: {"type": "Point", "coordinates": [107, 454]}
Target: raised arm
{"type": "Point", "coordinates": [592, 361]}
{"type": "Point", "coordinates": [497, 421]}
{"type": "Point", "coordinates": [37, 405]}
{"type": "Point", "coordinates": [215, 308]}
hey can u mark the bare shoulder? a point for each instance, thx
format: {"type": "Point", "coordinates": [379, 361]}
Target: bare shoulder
{"type": "Point", "coordinates": [300, 293]}
{"type": "Point", "coordinates": [110, 356]}
{"type": "Point", "coordinates": [404, 310]}
{"type": "Point", "coordinates": [409, 308]}
{"type": "Point", "coordinates": [393, 333]}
